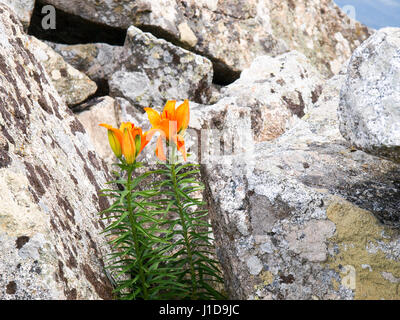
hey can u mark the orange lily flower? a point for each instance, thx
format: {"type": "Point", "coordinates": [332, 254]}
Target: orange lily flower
{"type": "Point", "coordinates": [128, 140]}
{"type": "Point", "coordinates": [171, 123]}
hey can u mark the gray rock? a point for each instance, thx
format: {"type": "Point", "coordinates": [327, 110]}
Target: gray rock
{"type": "Point", "coordinates": [145, 71]}
{"type": "Point", "coordinates": [370, 99]}
{"type": "Point", "coordinates": [96, 60]}
{"type": "Point", "coordinates": [50, 177]}
{"type": "Point", "coordinates": [150, 71]}
{"type": "Point", "coordinates": [307, 208]}
{"type": "Point", "coordinates": [268, 99]}
{"type": "Point", "coordinates": [276, 90]}
{"type": "Point", "coordinates": [22, 8]}
{"type": "Point", "coordinates": [72, 85]}
{"type": "Point", "coordinates": [233, 32]}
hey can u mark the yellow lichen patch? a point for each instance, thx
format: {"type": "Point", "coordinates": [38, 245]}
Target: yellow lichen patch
{"type": "Point", "coordinates": [267, 277]}
{"type": "Point", "coordinates": [118, 10]}
{"type": "Point", "coordinates": [356, 231]}
{"type": "Point", "coordinates": [335, 284]}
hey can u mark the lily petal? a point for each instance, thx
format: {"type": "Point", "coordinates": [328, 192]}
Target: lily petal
{"type": "Point", "coordinates": [183, 116]}
{"type": "Point", "coordinates": [128, 149]}
{"type": "Point", "coordinates": [168, 127]}
{"type": "Point", "coordinates": [126, 125]}
{"type": "Point", "coordinates": [117, 132]}
{"type": "Point", "coordinates": [170, 123]}
{"type": "Point", "coordinates": [154, 117]}
{"type": "Point", "coordinates": [169, 110]}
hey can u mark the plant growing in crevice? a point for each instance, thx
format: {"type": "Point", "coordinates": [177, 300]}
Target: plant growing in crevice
{"type": "Point", "coordinates": [138, 262]}
{"type": "Point", "coordinates": [160, 237]}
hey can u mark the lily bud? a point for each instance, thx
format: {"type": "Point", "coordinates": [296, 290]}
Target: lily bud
{"type": "Point", "coordinates": [128, 140]}
{"type": "Point", "coordinates": [115, 144]}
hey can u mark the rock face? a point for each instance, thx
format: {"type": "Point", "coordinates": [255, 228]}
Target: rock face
{"type": "Point", "coordinates": [50, 177]}
{"type": "Point", "coordinates": [269, 97]}
{"type": "Point", "coordinates": [22, 8]}
{"type": "Point", "coordinates": [273, 93]}
{"type": "Point", "coordinates": [319, 29]}
{"type": "Point", "coordinates": [316, 28]}
{"type": "Point", "coordinates": [370, 99]}
{"type": "Point", "coordinates": [305, 216]}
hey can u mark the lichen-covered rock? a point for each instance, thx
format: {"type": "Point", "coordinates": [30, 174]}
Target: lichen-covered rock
{"type": "Point", "coordinates": [305, 216]}
{"type": "Point", "coordinates": [22, 8]}
{"type": "Point", "coordinates": [96, 60]}
{"type": "Point", "coordinates": [50, 177]}
{"type": "Point", "coordinates": [72, 85]}
{"type": "Point", "coordinates": [269, 98]}
{"type": "Point", "coordinates": [233, 32]}
{"type": "Point", "coordinates": [319, 29]}
{"type": "Point", "coordinates": [370, 99]}
{"type": "Point", "coordinates": [145, 71]}
{"type": "Point", "coordinates": [276, 90]}
{"type": "Point", "coordinates": [150, 71]}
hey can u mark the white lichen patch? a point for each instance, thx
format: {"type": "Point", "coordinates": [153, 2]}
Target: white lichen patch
{"type": "Point", "coordinates": [254, 264]}
{"type": "Point", "coordinates": [309, 240]}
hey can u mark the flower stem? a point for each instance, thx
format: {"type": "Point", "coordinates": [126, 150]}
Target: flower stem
{"type": "Point", "coordinates": [133, 222]}
{"type": "Point", "coordinates": [184, 228]}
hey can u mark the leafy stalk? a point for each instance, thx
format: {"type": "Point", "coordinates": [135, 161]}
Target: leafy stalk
{"type": "Point", "coordinates": [193, 258]}
{"type": "Point", "coordinates": [185, 232]}
{"type": "Point", "coordinates": [133, 222]}
{"type": "Point", "coordinates": [139, 263]}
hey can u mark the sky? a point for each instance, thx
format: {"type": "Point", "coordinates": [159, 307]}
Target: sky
{"type": "Point", "coordinates": [373, 13]}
